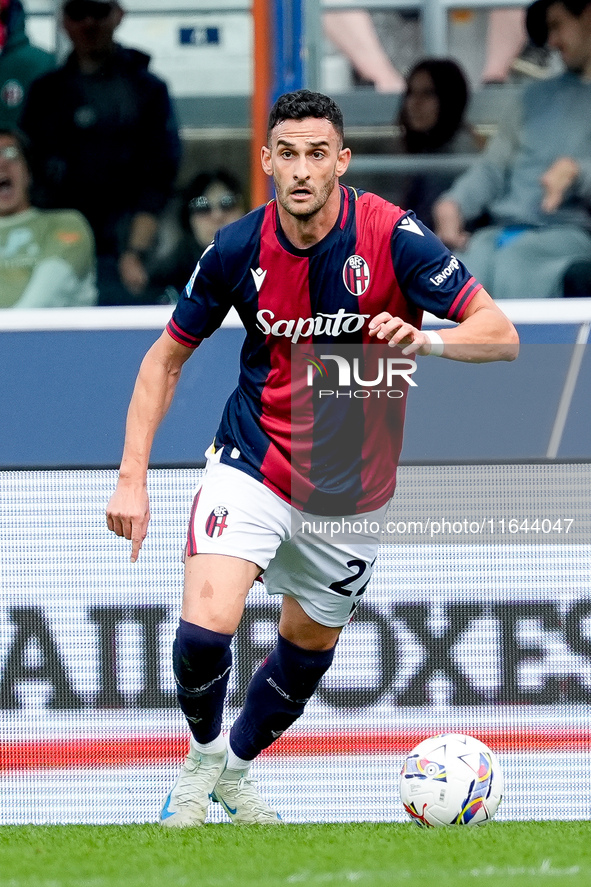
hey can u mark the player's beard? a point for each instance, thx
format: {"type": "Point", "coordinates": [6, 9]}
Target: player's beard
{"type": "Point", "coordinates": [308, 212]}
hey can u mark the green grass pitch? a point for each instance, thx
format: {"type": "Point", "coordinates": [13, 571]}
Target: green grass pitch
{"type": "Point", "coordinates": [505, 853]}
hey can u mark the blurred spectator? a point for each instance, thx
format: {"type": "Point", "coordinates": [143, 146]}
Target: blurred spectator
{"type": "Point", "coordinates": [20, 63]}
{"type": "Point", "coordinates": [534, 178]}
{"type": "Point", "coordinates": [510, 55]}
{"type": "Point", "coordinates": [577, 280]}
{"type": "Point", "coordinates": [432, 121]}
{"type": "Point", "coordinates": [353, 32]}
{"type": "Point", "coordinates": [209, 202]}
{"type": "Point", "coordinates": [505, 39]}
{"type": "Point", "coordinates": [104, 141]}
{"type": "Point", "coordinates": [382, 43]}
{"type": "Point", "coordinates": [46, 256]}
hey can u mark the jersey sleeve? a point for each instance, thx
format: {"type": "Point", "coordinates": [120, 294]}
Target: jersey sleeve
{"type": "Point", "coordinates": [428, 274]}
{"type": "Point", "coordinates": [204, 302]}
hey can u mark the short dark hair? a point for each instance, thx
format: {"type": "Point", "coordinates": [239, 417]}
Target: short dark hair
{"type": "Point", "coordinates": [21, 140]}
{"type": "Point", "coordinates": [537, 26]}
{"type": "Point", "coordinates": [305, 103]}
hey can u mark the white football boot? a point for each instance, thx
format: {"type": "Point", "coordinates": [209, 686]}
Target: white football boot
{"type": "Point", "coordinates": [237, 792]}
{"type": "Point", "coordinates": [188, 801]}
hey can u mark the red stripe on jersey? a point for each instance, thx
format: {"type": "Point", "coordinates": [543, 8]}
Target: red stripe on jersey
{"type": "Point", "coordinates": [375, 221]}
{"type": "Point", "coordinates": [463, 299]}
{"type": "Point", "coordinates": [384, 416]}
{"type": "Point", "coordinates": [276, 490]}
{"type": "Point", "coordinates": [286, 410]}
{"type": "Point", "coordinates": [191, 538]}
{"type": "Point", "coordinates": [180, 336]}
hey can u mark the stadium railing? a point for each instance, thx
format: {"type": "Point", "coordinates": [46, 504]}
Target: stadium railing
{"type": "Point", "coordinates": [67, 375]}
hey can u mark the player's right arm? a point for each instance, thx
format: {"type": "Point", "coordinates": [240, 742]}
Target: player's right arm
{"type": "Point", "coordinates": [128, 511]}
{"type": "Point", "coordinates": [200, 311]}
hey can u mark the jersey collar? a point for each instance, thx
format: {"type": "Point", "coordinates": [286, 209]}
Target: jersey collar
{"type": "Point", "coordinates": [345, 215]}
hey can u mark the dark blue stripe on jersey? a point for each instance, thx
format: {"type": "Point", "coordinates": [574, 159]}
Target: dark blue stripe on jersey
{"type": "Point", "coordinates": [239, 246]}
{"type": "Point", "coordinates": [463, 299]}
{"type": "Point", "coordinates": [179, 335]}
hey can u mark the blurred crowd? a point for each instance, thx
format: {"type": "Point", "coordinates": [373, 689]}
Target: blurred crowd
{"type": "Point", "coordinates": [92, 213]}
{"type": "Point", "coordinates": [89, 161]}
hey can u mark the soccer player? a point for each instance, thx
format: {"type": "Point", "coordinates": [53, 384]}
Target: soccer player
{"type": "Point", "coordinates": [321, 264]}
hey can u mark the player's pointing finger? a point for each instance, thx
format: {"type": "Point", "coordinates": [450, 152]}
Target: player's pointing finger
{"type": "Point", "coordinates": [136, 544]}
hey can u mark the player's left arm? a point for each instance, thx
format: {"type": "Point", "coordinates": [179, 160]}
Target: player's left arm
{"type": "Point", "coordinates": [483, 334]}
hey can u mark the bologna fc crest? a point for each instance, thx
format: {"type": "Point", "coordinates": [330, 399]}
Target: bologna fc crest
{"type": "Point", "coordinates": [356, 275]}
{"type": "Point", "coordinates": [216, 522]}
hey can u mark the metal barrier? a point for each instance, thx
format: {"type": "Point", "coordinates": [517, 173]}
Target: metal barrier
{"type": "Point", "coordinates": [66, 377]}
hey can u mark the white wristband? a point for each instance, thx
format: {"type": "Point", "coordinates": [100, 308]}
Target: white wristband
{"type": "Point", "coordinates": [437, 343]}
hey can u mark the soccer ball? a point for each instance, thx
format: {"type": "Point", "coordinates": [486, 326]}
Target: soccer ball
{"type": "Point", "coordinates": [451, 779]}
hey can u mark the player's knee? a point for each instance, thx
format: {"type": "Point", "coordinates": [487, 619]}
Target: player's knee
{"type": "Point", "coordinates": [319, 639]}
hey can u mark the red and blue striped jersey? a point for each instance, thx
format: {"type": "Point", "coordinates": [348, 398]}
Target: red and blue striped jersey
{"type": "Point", "coordinates": [326, 454]}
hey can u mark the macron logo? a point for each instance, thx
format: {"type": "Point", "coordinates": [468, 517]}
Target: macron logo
{"type": "Point", "coordinates": [258, 276]}
{"type": "Point", "coordinates": [409, 225]}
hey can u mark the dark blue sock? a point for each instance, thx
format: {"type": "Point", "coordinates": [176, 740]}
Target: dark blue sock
{"type": "Point", "coordinates": [277, 695]}
{"type": "Point", "coordinates": [201, 661]}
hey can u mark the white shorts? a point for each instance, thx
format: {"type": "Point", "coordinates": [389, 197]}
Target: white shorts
{"type": "Point", "coordinates": [236, 515]}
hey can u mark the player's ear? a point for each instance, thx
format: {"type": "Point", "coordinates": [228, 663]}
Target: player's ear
{"type": "Point", "coordinates": [266, 160]}
{"type": "Point", "coordinates": [343, 161]}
